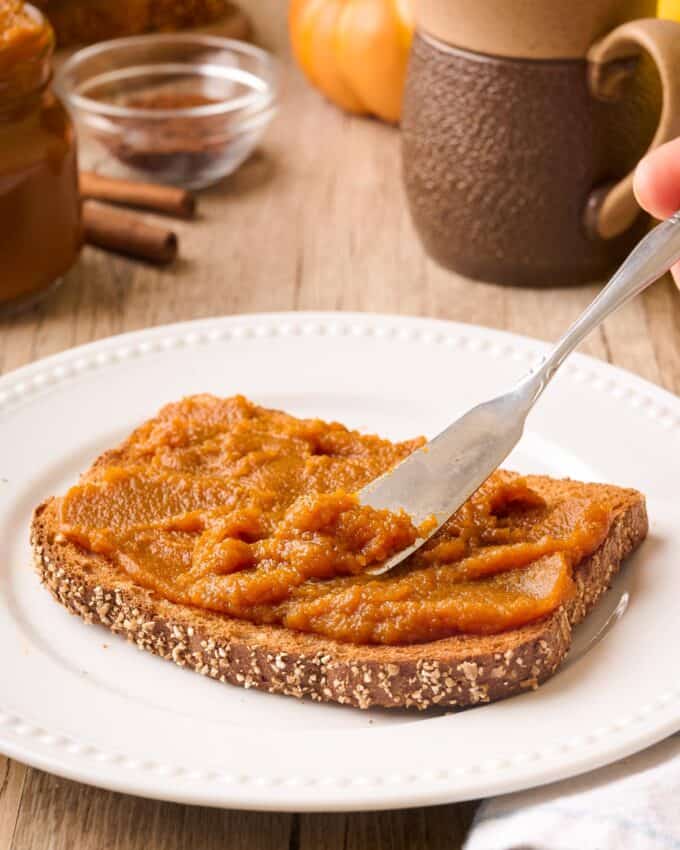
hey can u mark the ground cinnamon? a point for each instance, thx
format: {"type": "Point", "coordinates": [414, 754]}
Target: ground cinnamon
{"type": "Point", "coordinates": [184, 151]}
{"type": "Point", "coordinates": [128, 233]}
{"type": "Point", "coordinates": [170, 100]}
{"type": "Point", "coordinates": [163, 199]}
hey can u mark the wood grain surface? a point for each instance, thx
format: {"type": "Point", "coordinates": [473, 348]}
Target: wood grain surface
{"type": "Point", "coordinates": [315, 220]}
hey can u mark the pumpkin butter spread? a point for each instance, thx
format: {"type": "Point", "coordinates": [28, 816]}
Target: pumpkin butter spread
{"type": "Point", "coordinates": [17, 27]}
{"type": "Point", "coordinates": [224, 505]}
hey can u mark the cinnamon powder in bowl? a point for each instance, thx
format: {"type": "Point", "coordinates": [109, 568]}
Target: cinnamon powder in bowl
{"type": "Point", "coordinates": [179, 109]}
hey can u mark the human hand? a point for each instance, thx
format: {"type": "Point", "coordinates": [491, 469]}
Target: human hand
{"type": "Point", "coordinates": [657, 184]}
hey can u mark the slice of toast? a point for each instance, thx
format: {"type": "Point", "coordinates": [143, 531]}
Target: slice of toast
{"type": "Point", "coordinates": [457, 671]}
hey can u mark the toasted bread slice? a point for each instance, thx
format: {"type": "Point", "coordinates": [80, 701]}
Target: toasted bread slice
{"type": "Point", "coordinates": [458, 671]}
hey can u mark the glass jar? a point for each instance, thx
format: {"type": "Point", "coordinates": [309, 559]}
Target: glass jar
{"type": "Point", "coordinates": [40, 226]}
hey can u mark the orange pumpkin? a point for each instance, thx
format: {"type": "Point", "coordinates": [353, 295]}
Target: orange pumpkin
{"type": "Point", "coordinates": [354, 51]}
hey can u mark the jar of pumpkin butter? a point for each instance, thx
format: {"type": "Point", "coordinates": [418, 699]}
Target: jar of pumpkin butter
{"type": "Point", "coordinates": [40, 227]}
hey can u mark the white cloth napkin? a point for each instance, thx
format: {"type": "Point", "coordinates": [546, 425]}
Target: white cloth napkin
{"type": "Point", "coordinates": [631, 805]}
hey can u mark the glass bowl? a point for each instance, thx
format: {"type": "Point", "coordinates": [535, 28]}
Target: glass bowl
{"type": "Point", "coordinates": [179, 109]}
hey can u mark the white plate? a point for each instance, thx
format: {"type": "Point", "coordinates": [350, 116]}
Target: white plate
{"type": "Point", "coordinates": [77, 701]}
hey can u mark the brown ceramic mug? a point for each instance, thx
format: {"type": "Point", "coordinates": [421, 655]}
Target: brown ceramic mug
{"type": "Point", "coordinates": [521, 127]}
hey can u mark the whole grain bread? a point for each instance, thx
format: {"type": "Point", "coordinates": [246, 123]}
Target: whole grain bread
{"type": "Point", "coordinates": [78, 22]}
{"type": "Point", "coordinates": [457, 671]}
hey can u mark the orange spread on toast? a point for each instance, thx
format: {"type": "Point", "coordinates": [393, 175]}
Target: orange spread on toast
{"type": "Point", "coordinates": [227, 506]}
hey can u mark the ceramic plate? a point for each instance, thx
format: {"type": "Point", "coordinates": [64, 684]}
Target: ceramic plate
{"type": "Point", "coordinates": [80, 702]}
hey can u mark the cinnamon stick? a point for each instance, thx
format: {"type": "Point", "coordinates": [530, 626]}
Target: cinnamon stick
{"type": "Point", "coordinates": [149, 196]}
{"type": "Point", "coordinates": [127, 233]}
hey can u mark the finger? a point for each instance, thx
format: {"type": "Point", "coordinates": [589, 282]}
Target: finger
{"type": "Point", "coordinates": [657, 180]}
{"type": "Point", "coordinates": [676, 273]}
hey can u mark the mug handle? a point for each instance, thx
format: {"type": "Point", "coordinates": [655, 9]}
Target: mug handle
{"type": "Point", "coordinates": [612, 209]}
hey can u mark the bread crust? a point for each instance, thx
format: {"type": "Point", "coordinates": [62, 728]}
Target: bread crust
{"type": "Point", "coordinates": [454, 672]}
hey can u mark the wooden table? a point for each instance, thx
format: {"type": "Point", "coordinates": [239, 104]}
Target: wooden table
{"type": "Point", "coordinates": [315, 220]}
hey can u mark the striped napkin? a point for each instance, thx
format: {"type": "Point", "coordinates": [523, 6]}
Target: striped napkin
{"type": "Point", "coordinates": [631, 805]}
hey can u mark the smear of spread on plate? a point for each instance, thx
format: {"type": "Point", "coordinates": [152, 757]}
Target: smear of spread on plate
{"type": "Point", "coordinates": [224, 505]}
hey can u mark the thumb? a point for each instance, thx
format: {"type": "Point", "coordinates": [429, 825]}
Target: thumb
{"type": "Point", "coordinates": [657, 184]}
